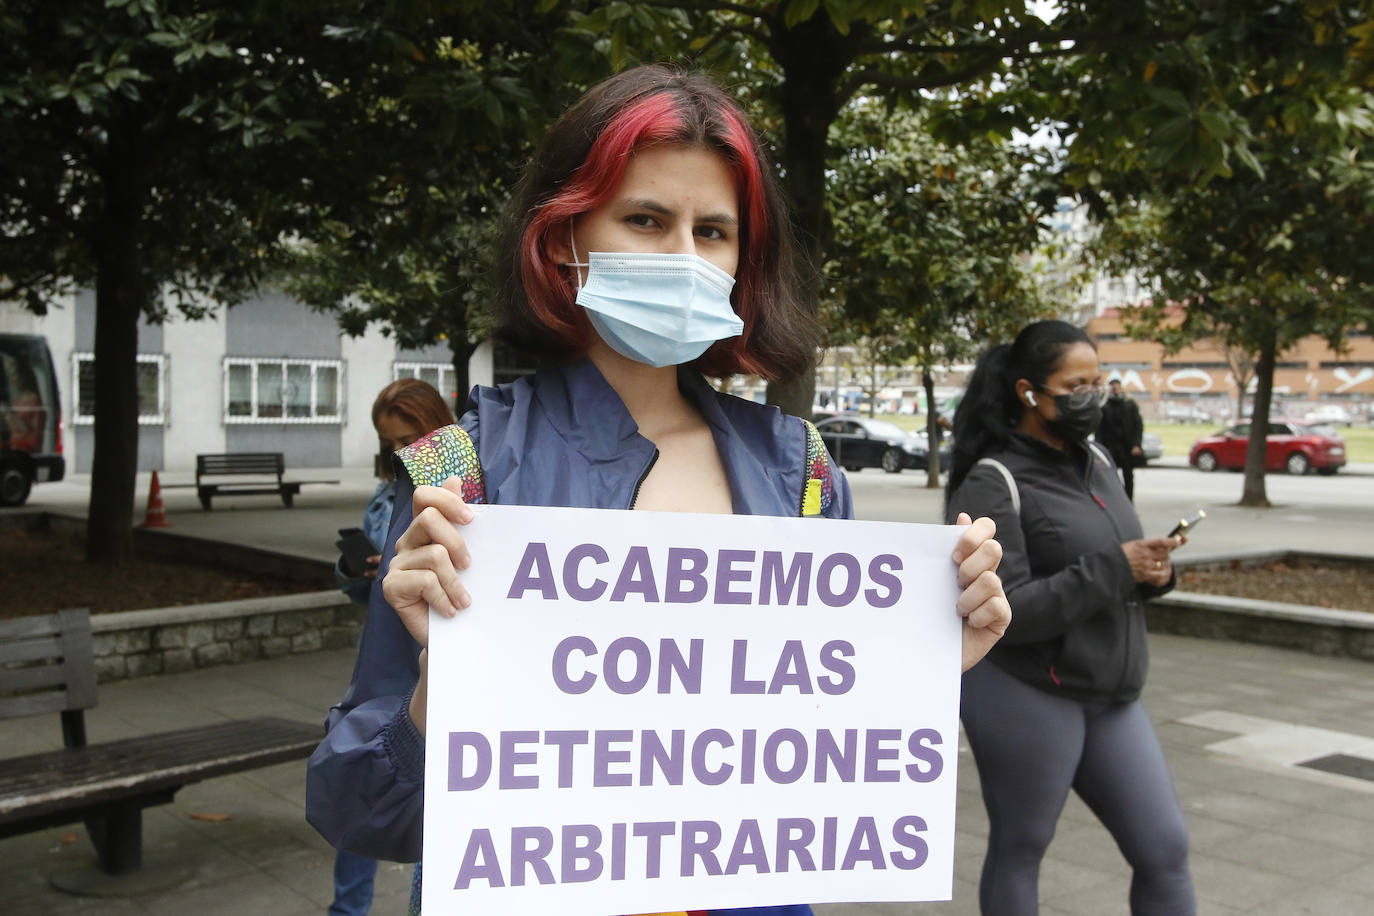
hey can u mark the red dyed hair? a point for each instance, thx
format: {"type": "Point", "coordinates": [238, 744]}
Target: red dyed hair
{"type": "Point", "coordinates": [580, 165]}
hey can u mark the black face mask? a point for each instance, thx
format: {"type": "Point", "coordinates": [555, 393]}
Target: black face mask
{"type": "Point", "coordinates": [1075, 418]}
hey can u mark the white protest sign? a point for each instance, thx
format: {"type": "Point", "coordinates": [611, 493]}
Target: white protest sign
{"type": "Point", "coordinates": [645, 711]}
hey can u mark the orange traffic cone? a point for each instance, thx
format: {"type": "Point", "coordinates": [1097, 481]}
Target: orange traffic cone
{"type": "Point", "coordinates": [156, 517]}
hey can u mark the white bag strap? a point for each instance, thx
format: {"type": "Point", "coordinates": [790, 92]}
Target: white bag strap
{"type": "Point", "coordinates": [1097, 450]}
{"type": "Point", "coordinates": [1011, 481]}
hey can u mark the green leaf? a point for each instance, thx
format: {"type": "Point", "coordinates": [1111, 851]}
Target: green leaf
{"type": "Point", "coordinates": [799, 11]}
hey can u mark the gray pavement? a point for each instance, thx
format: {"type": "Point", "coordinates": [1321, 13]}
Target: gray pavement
{"type": "Point", "coordinates": [1269, 836]}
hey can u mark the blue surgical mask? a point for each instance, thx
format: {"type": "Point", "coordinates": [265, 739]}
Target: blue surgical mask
{"type": "Point", "coordinates": [657, 309]}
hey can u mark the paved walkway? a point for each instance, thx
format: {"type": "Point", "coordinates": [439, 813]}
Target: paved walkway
{"type": "Point", "coordinates": [1269, 836]}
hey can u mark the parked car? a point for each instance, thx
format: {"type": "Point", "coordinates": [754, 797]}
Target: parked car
{"type": "Point", "coordinates": [1182, 413]}
{"type": "Point", "coordinates": [1334, 414]}
{"type": "Point", "coordinates": [1293, 446]}
{"type": "Point", "coordinates": [30, 417]}
{"type": "Point", "coordinates": [1152, 446]}
{"type": "Point", "coordinates": [856, 443]}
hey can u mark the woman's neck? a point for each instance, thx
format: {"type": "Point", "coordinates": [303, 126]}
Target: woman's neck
{"type": "Point", "coordinates": [651, 395]}
{"type": "Point", "coordinates": [1033, 425]}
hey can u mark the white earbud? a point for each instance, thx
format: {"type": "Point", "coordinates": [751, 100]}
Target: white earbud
{"type": "Point", "coordinates": [1030, 398]}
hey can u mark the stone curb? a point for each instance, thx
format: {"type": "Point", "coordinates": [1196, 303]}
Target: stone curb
{"type": "Point", "coordinates": [217, 610]}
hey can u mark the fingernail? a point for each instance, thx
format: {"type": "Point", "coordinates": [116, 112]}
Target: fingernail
{"type": "Point", "coordinates": [466, 515]}
{"type": "Point", "coordinates": [958, 557]}
{"type": "Point", "coordinates": [464, 600]}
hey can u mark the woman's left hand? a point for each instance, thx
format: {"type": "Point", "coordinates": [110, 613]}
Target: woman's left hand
{"type": "Point", "coordinates": [982, 602]}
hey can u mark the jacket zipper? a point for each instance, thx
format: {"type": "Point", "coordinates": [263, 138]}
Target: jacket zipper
{"type": "Point", "coordinates": [634, 497]}
{"type": "Point", "coordinates": [1126, 639]}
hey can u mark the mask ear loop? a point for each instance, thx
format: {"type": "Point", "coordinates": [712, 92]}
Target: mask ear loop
{"type": "Point", "coordinates": [575, 263]}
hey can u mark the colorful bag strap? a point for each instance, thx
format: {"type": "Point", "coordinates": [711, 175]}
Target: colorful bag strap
{"type": "Point", "coordinates": [818, 489]}
{"type": "Point", "coordinates": [447, 452]}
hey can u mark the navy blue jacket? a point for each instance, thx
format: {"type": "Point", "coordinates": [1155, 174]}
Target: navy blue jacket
{"type": "Point", "coordinates": [559, 438]}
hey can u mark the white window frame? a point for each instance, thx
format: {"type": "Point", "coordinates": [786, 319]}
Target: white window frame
{"type": "Point", "coordinates": [257, 363]}
{"type": "Point", "coordinates": [412, 370]}
{"type": "Point", "coordinates": [160, 418]}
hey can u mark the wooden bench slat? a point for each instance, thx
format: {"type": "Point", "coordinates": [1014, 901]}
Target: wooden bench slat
{"type": "Point", "coordinates": [22, 680]}
{"type": "Point", "coordinates": [17, 628]}
{"type": "Point", "coordinates": [39, 784]}
{"type": "Point", "coordinates": [28, 650]}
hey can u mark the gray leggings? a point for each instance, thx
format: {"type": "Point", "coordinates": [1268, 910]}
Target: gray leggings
{"type": "Point", "coordinates": [1031, 747]}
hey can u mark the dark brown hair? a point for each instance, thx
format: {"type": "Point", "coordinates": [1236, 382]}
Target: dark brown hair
{"type": "Point", "coordinates": [415, 402]}
{"type": "Point", "coordinates": [578, 166]}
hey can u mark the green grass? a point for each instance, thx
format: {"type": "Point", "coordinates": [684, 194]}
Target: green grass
{"type": "Point", "coordinates": [1178, 438]}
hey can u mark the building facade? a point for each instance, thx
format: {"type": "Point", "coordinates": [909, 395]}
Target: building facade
{"type": "Point", "coordinates": [270, 374]}
{"type": "Point", "coordinates": [1200, 377]}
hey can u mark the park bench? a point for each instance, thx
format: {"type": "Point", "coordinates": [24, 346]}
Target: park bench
{"type": "Point", "coordinates": [258, 465]}
{"type": "Point", "coordinates": [46, 665]}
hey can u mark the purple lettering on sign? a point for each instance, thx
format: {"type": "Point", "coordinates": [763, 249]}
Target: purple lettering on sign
{"type": "Point", "coordinates": [825, 576]}
{"type": "Point", "coordinates": [653, 833]}
{"type": "Point", "coordinates": [636, 577]}
{"type": "Point", "coordinates": [830, 830]}
{"type": "Point", "coordinates": [875, 754]}
{"type": "Point", "coordinates": [727, 575]}
{"type": "Point", "coordinates": [561, 678]}
{"type": "Point", "coordinates": [686, 575]}
{"type": "Point", "coordinates": [618, 841]}
{"type": "Point", "coordinates": [565, 741]}
{"type": "Point", "coordinates": [833, 654]}
{"type": "Point", "coordinates": [748, 850]}
{"type": "Point", "coordinates": [795, 835]}
{"type": "Point", "coordinates": [458, 744]}
{"type": "Point", "coordinates": [530, 847]}
{"type": "Point", "coordinates": [700, 747]}
{"type": "Point", "coordinates": [792, 670]}
{"type": "Point", "coordinates": [479, 862]}
{"type": "Point", "coordinates": [671, 662]}
{"type": "Point", "coordinates": [748, 743]}
{"type": "Point", "coordinates": [699, 841]}
{"type": "Point", "coordinates": [796, 579]}
{"type": "Point", "coordinates": [572, 584]}
{"type": "Point", "coordinates": [880, 571]}
{"type": "Point", "coordinates": [864, 846]}
{"type": "Point", "coordinates": [512, 758]}
{"type": "Point", "coordinates": [917, 745]}
{"type": "Point", "coordinates": [772, 749]}
{"type": "Point", "coordinates": [669, 762]}
{"type": "Point", "coordinates": [907, 832]}
{"type": "Point", "coordinates": [829, 754]}
{"type": "Point", "coordinates": [534, 573]}
{"type": "Point", "coordinates": [641, 665]}
{"type": "Point", "coordinates": [581, 859]}
{"type": "Point", "coordinates": [738, 662]}
{"type": "Point", "coordinates": [604, 756]}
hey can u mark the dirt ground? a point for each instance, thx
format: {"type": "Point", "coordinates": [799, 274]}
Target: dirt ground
{"type": "Point", "coordinates": [44, 571]}
{"type": "Point", "coordinates": [1295, 582]}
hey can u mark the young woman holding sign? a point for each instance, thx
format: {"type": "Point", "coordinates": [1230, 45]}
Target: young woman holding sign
{"type": "Point", "coordinates": [646, 245]}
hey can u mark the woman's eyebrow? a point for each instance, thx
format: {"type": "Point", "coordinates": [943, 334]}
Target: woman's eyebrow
{"type": "Point", "coordinates": [653, 206]}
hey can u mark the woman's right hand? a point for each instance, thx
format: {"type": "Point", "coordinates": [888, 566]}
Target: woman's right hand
{"type": "Point", "coordinates": [429, 554]}
{"type": "Point", "coordinates": [1149, 559]}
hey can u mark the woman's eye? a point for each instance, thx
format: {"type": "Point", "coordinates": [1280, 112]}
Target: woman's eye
{"type": "Point", "coordinates": [642, 220]}
{"type": "Point", "coordinates": [710, 232]}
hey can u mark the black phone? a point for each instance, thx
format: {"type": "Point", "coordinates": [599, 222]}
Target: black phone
{"type": "Point", "coordinates": [1186, 525]}
{"type": "Point", "coordinates": [356, 547]}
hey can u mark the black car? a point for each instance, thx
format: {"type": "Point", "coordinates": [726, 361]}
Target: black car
{"type": "Point", "coordinates": [856, 443]}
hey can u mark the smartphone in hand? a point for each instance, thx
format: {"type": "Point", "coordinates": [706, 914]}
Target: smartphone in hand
{"type": "Point", "coordinates": [1186, 525]}
{"type": "Point", "coordinates": [356, 548]}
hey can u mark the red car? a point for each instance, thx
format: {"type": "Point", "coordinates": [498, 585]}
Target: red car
{"type": "Point", "coordinates": [1293, 446]}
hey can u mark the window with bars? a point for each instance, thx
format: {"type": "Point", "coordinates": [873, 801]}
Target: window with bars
{"type": "Point", "coordinates": [282, 390]}
{"type": "Point", "coordinates": [152, 388]}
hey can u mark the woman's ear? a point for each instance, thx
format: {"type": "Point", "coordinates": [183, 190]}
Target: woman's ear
{"type": "Point", "coordinates": [558, 244]}
{"type": "Point", "coordinates": [1024, 393]}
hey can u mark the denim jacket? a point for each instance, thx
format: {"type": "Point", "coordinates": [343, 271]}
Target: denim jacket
{"type": "Point", "coordinates": [562, 437]}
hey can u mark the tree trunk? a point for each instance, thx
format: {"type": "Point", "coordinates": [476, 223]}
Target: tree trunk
{"type": "Point", "coordinates": [1255, 453]}
{"type": "Point", "coordinates": [932, 431]}
{"type": "Point", "coordinates": [121, 294]}
{"type": "Point", "coordinates": [813, 55]}
{"type": "Point", "coordinates": [462, 352]}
